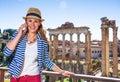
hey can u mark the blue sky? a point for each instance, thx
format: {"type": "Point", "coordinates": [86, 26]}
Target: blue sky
{"type": "Point", "coordinates": [57, 12]}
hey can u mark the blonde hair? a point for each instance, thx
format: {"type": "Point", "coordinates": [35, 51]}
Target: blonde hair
{"type": "Point", "coordinates": [43, 33]}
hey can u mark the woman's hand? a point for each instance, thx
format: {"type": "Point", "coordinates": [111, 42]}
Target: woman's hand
{"type": "Point", "coordinates": [13, 43]}
{"type": "Point", "coordinates": [62, 72]}
{"type": "Point", "coordinates": [22, 29]}
{"type": "Point", "coordinates": [66, 73]}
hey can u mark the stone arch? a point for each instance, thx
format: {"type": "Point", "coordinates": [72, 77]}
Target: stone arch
{"type": "Point", "coordinates": [82, 37]}
{"type": "Point", "coordinates": [60, 37]}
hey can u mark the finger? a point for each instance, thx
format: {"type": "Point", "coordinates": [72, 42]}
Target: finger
{"type": "Point", "coordinates": [24, 25]}
{"type": "Point", "coordinates": [68, 75]}
{"type": "Point", "coordinates": [22, 29]}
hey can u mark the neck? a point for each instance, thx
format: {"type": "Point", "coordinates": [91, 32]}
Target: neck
{"type": "Point", "coordinates": [31, 35]}
{"type": "Point", "coordinates": [31, 38]}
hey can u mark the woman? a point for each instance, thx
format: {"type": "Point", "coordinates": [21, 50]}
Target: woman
{"type": "Point", "coordinates": [30, 46]}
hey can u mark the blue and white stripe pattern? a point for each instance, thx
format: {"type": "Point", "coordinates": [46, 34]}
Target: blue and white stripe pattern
{"type": "Point", "coordinates": [17, 62]}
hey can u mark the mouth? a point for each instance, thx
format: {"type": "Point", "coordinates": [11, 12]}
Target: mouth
{"type": "Point", "coordinates": [32, 28]}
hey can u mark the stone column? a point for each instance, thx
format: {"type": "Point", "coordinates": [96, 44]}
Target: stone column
{"type": "Point", "coordinates": [55, 51]}
{"type": "Point", "coordinates": [115, 52]}
{"type": "Point", "coordinates": [77, 68]}
{"type": "Point", "coordinates": [50, 37]}
{"type": "Point", "coordinates": [63, 51]}
{"type": "Point", "coordinates": [105, 50]}
{"type": "Point", "coordinates": [88, 51]}
{"type": "Point", "coordinates": [71, 51]}
{"type": "Point", "coordinates": [71, 46]}
{"type": "Point", "coordinates": [50, 47]}
{"type": "Point", "coordinates": [105, 46]}
{"type": "Point", "coordinates": [78, 47]}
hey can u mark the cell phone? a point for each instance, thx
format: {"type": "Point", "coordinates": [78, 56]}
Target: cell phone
{"type": "Point", "coordinates": [24, 29]}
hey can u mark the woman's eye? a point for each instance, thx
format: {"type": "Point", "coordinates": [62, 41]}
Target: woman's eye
{"type": "Point", "coordinates": [36, 21]}
{"type": "Point", "coordinates": [30, 21]}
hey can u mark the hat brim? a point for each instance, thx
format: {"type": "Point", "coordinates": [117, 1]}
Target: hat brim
{"type": "Point", "coordinates": [34, 18]}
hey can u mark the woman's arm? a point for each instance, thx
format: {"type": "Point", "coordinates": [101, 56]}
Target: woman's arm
{"type": "Point", "coordinates": [63, 72]}
{"type": "Point", "coordinates": [53, 66]}
{"type": "Point", "coordinates": [11, 45]}
{"type": "Point", "coordinates": [8, 51]}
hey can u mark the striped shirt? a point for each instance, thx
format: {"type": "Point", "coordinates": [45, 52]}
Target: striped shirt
{"type": "Point", "coordinates": [17, 62]}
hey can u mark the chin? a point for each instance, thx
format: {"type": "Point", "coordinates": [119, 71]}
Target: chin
{"type": "Point", "coordinates": [33, 31]}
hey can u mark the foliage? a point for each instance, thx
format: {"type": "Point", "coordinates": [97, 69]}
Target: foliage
{"type": "Point", "coordinates": [10, 31]}
{"type": "Point", "coordinates": [1, 57]}
{"type": "Point", "coordinates": [2, 45]}
{"type": "Point", "coordinates": [4, 37]}
{"type": "Point", "coordinates": [1, 36]}
{"type": "Point", "coordinates": [7, 33]}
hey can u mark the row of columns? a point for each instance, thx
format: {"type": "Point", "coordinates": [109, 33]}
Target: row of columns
{"type": "Point", "coordinates": [106, 24]}
{"type": "Point", "coordinates": [87, 48]}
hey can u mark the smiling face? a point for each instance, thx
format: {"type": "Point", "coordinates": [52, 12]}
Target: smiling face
{"type": "Point", "coordinates": [33, 24]}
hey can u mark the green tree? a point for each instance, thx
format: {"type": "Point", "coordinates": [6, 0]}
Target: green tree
{"type": "Point", "coordinates": [2, 46]}
{"type": "Point", "coordinates": [1, 36]}
{"type": "Point", "coordinates": [10, 31]}
{"type": "Point", "coordinates": [5, 35]}
{"type": "Point", "coordinates": [1, 57]}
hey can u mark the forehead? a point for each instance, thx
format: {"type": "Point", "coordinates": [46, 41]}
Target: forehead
{"type": "Point", "coordinates": [32, 19]}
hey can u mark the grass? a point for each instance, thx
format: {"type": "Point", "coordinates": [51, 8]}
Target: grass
{"type": "Point", "coordinates": [6, 80]}
{"type": "Point", "coordinates": [65, 80]}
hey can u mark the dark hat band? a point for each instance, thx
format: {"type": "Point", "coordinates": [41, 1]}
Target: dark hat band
{"type": "Point", "coordinates": [33, 14]}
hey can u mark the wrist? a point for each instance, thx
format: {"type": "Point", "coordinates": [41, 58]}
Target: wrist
{"type": "Point", "coordinates": [61, 71]}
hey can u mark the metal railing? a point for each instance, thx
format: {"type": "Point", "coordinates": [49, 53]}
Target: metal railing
{"type": "Point", "coordinates": [54, 76]}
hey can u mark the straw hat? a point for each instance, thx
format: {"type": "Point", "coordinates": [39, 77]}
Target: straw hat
{"type": "Point", "coordinates": [34, 13]}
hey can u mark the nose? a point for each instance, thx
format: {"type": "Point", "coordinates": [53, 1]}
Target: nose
{"type": "Point", "coordinates": [33, 23]}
